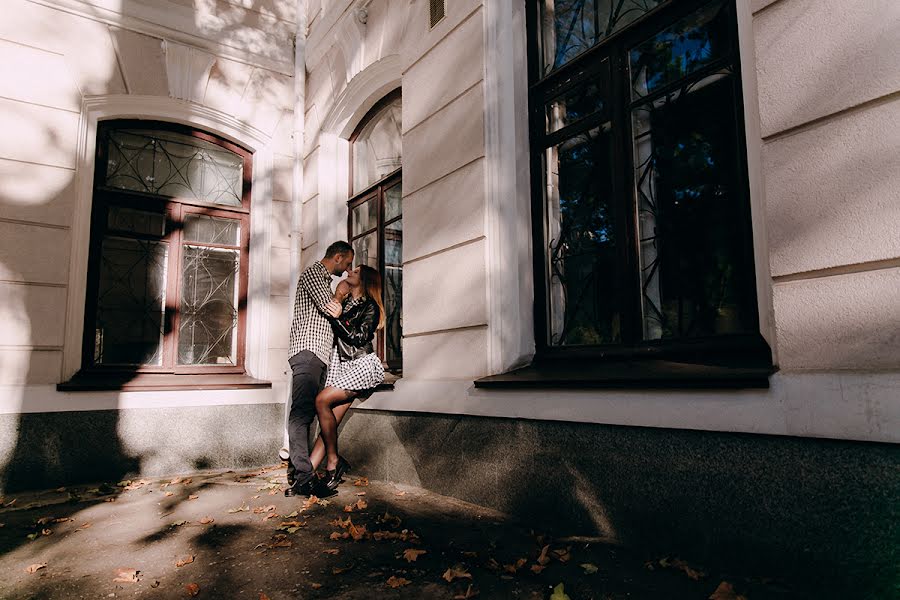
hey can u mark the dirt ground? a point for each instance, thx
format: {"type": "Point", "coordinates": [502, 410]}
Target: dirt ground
{"type": "Point", "coordinates": [234, 535]}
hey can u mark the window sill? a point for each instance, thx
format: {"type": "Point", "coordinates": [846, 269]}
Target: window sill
{"type": "Point", "coordinates": [631, 374]}
{"type": "Point", "coordinates": [159, 382]}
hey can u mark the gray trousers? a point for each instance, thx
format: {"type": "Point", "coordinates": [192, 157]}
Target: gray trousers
{"type": "Point", "coordinates": [308, 378]}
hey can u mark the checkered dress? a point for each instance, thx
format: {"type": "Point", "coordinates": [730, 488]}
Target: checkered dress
{"type": "Point", "coordinates": [359, 374]}
{"type": "Point", "coordinates": [310, 330]}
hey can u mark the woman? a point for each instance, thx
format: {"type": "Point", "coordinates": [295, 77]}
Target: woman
{"type": "Point", "coordinates": [355, 369]}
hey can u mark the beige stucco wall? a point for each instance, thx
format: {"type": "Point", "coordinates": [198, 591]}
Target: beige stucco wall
{"type": "Point", "coordinates": [441, 70]}
{"type": "Point", "coordinates": [230, 61]}
{"type": "Point", "coordinates": [829, 75]}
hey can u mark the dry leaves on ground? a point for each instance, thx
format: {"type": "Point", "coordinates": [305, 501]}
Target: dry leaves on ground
{"type": "Point", "coordinates": [84, 526]}
{"type": "Point", "coordinates": [178, 523]}
{"type": "Point", "coordinates": [589, 568]}
{"type": "Point", "coordinates": [46, 531]}
{"type": "Point", "coordinates": [411, 554]}
{"type": "Point", "coordinates": [193, 497]}
{"type": "Point", "coordinates": [207, 520]}
{"type": "Point", "coordinates": [170, 494]}
{"type": "Point", "coordinates": [395, 582]}
{"type": "Point", "coordinates": [457, 572]}
{"type": "Point", "coordinates": [35, 567]}
{"type": "Point", "coordinates": [536, 569]}
{"type": "Point", "coordinates": [542, 558]}
{"type": "Point", "coordinates": [281, 541]}
{"type": "Point", "coordinates": [362, 481]}
{"type": "Point", "coordinates": [192, 589]}
{"type": "Point", "coordinates": [400, 493]}
{"type": "Point", "coordinates": [725, 591]}
{"type": "Point", "coordinates": [241, 508]}
{"type": "Point", "coordinates": [315, 586]}
{"type": "Point", "coordinates": [389, 519]}
{"type": "Point", "coordinates": [331, 551]}
{"type": "Point", "coordinates": [358, 505]}
{"type": "Point", "coordinates": [360, 493]}
{"type": "Point", "coordinates": [339, 570]}
{"type": "Point", "coordinates": [184, 561]}
{"type": "Point", "coordinates": [263, 596]}
{"type": "Point", "coordinates": [263, 509]}
{"type": "Point", "coordinates": [470, 593]}
{"type": "Point", "coordinates": [127, 575]}
{"type": "Point", "coordinates": [559, 593]}
{"type": "Point", "coordinates": [680, 565]}
{"type": "Point", "coordinates": [513, 568]}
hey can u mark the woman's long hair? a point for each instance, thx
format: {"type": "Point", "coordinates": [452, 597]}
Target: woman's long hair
{"type": "Point", "coordinates": [370, 279]}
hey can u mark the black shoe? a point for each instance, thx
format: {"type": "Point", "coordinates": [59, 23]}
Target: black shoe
{"type": "Point", "coordinates": [302, 489]}
{"type": "Point", "coordinates": [334, 478]}
{"type": "Point", "coordinates": [320, 490]}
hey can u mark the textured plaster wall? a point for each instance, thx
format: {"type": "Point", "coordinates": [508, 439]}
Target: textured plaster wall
{"type": "Point", "coordinates": [828, 77]}
{"type": "Point", "coordinates": [441, 70]}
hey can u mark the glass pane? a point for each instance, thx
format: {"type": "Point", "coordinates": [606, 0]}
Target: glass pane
{"type": "Point", "coordinates": [377, 149]}
{"type": "Point", "coordinates": [678, 51]}
{"type": "Point", "coordinates": [131, 301]}
{"type": "Point", "coordinates": [207, 333]}
{"type": "Point", "coordinates": [569, 27]}
{"type": "Point", "coordinates": [364, 217]}
{"type": "Point", "coordinates": [136, 221]}
{"type": "Point", "coordinates": [697, 274]}
{"type": "Point", "coordinates": [392, 202]}
{"type": "Point", "coordinates": [580, 102]}
{"type": "Point", "coordinates": [393, 307]}
{"type": "Point", "coordinates": [174, 165]}
{"type": "Point", "coordinates": [582, 249]}
{"type": "Point", "coordinates": [393, 243]}
{"type": "Point", "coordinates": [212, 230]}
{"type": "Point", "coordinates": [365, 250]}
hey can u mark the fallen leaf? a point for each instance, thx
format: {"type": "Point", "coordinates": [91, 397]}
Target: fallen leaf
{"type": "Point", "coordinates": [343, 523]}
{"type": "Point", "coordinates": [470, 593]}
{"type": "Point", "coordinates": [10, 503]}
{"type": "Point", "coordinates": [678, 564]}
{"type": "Point", "coordinates": [725, 591]}
{"type": "Point", "coordinates": [559, 593]}
{"type": "Point", "coordinates": [155, 584]}
{"type": "Point", "coordinates": [193, 497]}
{"type": "Point", "coordinates": [357, 533]}
{"type": "Point", "coordinates": [362, 481]}
{"type": "Point", "coordinates": [35, 567]}
{"type": "Point", "coordinates": [360, 493]}
{"type": "Point", "coordinates": [293, 514]}
{"type": "Point", "coordinates": [543, 559]}
{"type": "Point", "coordinates": [309, 502]}
{"type": "Point", "coordinates": [270, 516]}
{"type": "Point", "coordinates": [400, 493]}
{"type": "Point", "coordinates": [493, 565]}
{"type": "Point", "coordinates": [60, 489]}
{"type": "Point", "coordinates": [331, 551]}
{"type": "Point", "coordinates": [184, 561]}
{"type": "Point", "coordinates": [263, 596]}
{"type": "Point", "coordinates": [335, 536]}
{"type": "Point", "coordinates": [361, 504]}
{"type": "Point", "coordinates": [315, 586]}
{"type": "Point", "coordinates": [513, 568]}
{"type": "Point", "coordinates": [62, 520]}
{"type": "Point", "coordinates": [46, 531]}
{"type": "Point", "coordinates": [84, 526]}
{"type": "Point", "coordinates": [170, 494]}
{"type": "Point", "coordinates": [282, 543]}
{"type": "Point", "coordinates": [241, 508]}
{"type": "Point", "coordinates": [127, 576]}
{"type": "Point", "coordinates": [536, 569]}
{"type": "Point", "coordinates": [178, 524]}
{"type": "Point", "coordinates": [186, 481]}
{"type": "Point", "coordinates": [589, 569]}
{"type": "Point", "coordinates": [457, 572]}
{"type": "Point", "coordinates": [263, 509]}
{"type": "Point", "coordinates": [45, 520]}
{"type": "Point", "coordinates": [207, 520]}
{"type": "Point", "coordinates": [322, 502]}
{"type": "Point", "coordinates": [411, 554]}
{"type": "Point", "coordinates": [32, 536]}
{"type": "Point", "coordinates": [192, 589]}
{"type": "Point", "coordinates": [395, 582]}
{"type": "Point", "coordinates": [562, 555]}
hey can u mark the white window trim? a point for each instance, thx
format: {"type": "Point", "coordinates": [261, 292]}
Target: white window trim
{"type": "Point", "coordinates": [102, 108]}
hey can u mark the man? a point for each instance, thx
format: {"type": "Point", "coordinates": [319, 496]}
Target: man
{"type": "Point", "coordinates": [310, 351]}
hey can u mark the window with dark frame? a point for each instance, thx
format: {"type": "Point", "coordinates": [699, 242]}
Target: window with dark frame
{"type": "Point", "coordinates": [375, 220]}
{"type": "Point", "coordinates": [640, 191]}
{"type": "Point", "coordinates": [168, 264]}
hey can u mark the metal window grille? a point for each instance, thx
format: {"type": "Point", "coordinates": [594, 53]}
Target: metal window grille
{"type": "Point", "coordinates": [438, 10]}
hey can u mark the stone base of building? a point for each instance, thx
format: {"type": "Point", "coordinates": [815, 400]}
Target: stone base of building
{"type": "Point", "coordinates": [47, 450]}
{"type": "Point", "coordinates": [776, 505]}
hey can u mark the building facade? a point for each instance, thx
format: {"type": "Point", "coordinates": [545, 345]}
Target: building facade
{"type": "Point", "coordinates": [642, 268]}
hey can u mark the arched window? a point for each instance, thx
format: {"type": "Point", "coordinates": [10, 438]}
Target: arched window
{"type": "Point", "coordinates": [375, 225]}
{"type": "Point", "coordinates": [167, 275]}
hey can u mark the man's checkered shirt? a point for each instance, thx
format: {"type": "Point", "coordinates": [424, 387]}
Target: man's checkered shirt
{"type": "Point", "coordinates": [310, 330]}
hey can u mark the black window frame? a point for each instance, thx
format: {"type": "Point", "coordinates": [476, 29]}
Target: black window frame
{"type": "Point", "coordinates": [740, 349]}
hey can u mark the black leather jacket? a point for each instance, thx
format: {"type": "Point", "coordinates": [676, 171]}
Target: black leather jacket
{"type": "Point", "coordinates": [355, 329]}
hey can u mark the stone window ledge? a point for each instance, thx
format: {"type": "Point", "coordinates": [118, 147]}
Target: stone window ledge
{"type": "Point", "coordinates": [630, 374]}
{"type": "Point", "coordinates": [160, 382]}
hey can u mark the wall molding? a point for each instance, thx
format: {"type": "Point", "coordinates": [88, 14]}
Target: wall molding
{"type": "Point", "coordinates": [101, 108]}
{"type": "Point", "coordinates": [116, 17]}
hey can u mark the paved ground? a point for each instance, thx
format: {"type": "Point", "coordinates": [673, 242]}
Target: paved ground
{"type": "Point", "coordinates": [234, 535]}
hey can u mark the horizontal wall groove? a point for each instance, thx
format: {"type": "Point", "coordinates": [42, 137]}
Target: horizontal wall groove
{"type": "Point", "coordinates": [462, 21]}
{"type": "Point", "coordinates": [863, 267]}
{"type": "Point", "coordinates": [443, 250]}
{"type": "Point", "coordinates": [444, 176]}
{"type": "Point", "coordinates": [38, 164]}
{"type": "Point", "coordinates": [34, 224]}
{"type": "Point", "coordinates": [796, 129]}
{"type": "Point", "coordinates": [73, 111]}
{"type": "Point", "coordinates": [32, 348]}
{"type": "Point", "coordinates": [448, 330]}
{"type": "Point", "coordinates": [444, 106]}
{"type": "Point", "coordinates": [30, 47]}
{"type": "Point", "coordinates": [34, 283]}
